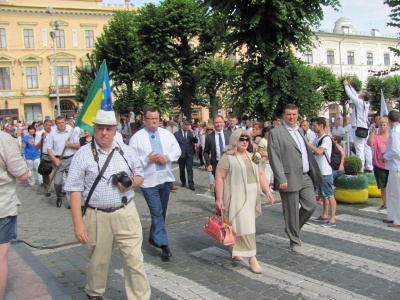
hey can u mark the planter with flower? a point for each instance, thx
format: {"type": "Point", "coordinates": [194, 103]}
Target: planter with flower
{"type": "Point", "coordinates": [351, 187]}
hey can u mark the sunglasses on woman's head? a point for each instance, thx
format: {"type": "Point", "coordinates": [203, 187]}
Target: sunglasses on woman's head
{"type": "Point", "coordinates": [243, 139]}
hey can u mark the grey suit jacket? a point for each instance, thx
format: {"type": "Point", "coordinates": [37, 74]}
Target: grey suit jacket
{"type": "Point", "coordinates": [285, 159]}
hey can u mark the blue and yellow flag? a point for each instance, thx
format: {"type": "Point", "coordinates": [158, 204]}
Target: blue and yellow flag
{"type": "Point", "coordinates": [99, 97]}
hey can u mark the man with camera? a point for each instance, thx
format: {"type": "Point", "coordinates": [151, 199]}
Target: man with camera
{"type": "Point", "coordinates": [157, 148]}
{"type": "Point", "coordinates": [105, 173]}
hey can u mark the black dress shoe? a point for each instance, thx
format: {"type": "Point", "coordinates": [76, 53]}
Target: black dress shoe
{"type": "Point", "coordinates": [59, 202]}
{"type": "Point", "coordinates": [94, 297]}
{"type": "Point", "coordinates": [183, 185]}
{"type": "Point", "coordinates": [192, 188]}
{"type": "Point", "coordinates": [166, 252]}
{"type": "Point", "coordinates": [151, 242]}
{"type": "Point", "coordinates": [48, 194]}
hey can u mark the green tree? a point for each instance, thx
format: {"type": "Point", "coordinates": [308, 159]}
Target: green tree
{"type": "Point", "coordinates": [84, 82]}
{"type": "Point", "coordinates": [268, 30]}
{"type": "Point", "coordinates": [356, 83]}
{"type": "Point", "coordinates": [179, 35]}
{"type": "Point", "coordinates": [214, 74]}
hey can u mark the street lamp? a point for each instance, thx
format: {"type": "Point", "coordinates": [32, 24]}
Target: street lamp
{"type": "Point", "coordinates": [54, 27]}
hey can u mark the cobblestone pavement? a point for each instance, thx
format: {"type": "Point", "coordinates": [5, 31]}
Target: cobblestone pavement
{"type": "Point", "coordinates": [356, 260]}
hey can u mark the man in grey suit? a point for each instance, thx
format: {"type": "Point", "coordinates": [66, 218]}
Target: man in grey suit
{"type": "Point", "coordinates": [215, 143]}
{"type": "Point", "coordinates": [296, 173]}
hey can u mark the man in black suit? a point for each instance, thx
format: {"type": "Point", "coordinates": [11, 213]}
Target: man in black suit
{"type": "Point", "coordinates": [215, 143]}
{"type": "Point", "coordinates": [186, 138]}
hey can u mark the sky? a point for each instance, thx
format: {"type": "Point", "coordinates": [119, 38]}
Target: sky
{"type": "Point", "coordinates": [365, 15]}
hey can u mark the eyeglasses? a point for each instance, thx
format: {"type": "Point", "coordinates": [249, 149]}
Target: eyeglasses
{"type": "Point", "coordinates": [209, 130]}
{"type": "Point", "coordinates": [152, 119]}
{"type": "Point", "coordinates": [242, 139]}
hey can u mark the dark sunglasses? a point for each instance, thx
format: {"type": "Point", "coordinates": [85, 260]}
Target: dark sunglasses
{"type": "Point", "coordinates": [243, 139]}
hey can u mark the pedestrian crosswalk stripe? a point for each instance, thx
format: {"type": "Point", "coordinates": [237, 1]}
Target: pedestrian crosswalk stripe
{"type": "Point", "coordinates": [374, 209]}
{"type": "Point", "coordinates": [290, 282]}
{"type": "Point", "coordinates": [365, 221]}
{"type": "Point", "coordinates": [352, 237]}
{"type": "Point", "coordinates": [175, 286]}
{"type": "Point", "coordinates": [360, 264]}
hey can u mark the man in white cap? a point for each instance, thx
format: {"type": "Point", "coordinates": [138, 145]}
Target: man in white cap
{"type": "Point", "coordinates": [111, 212]}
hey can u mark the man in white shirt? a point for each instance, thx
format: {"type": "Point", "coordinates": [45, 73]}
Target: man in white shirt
{"type": "Point", "coordinates": [309, 134]}
{"type": "Point", "coordinates": [337, 129]}
{"type": "Point", "coordinates": [392, 159]}
{"type": "Point", "coordinates": [42, 137]}
{"type": "Point", "coordinates": [322, 147]}
{"type": "Point", "coordinates": [156, 148]}
{"type": "Point", "coordinates": [64, 137]}
{"type": "Point", "coordinates": [359, 120]}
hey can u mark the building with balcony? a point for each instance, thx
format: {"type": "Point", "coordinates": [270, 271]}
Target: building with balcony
{"type": "Point", "coordinates": [28, 76]}
{"type": "Point", "coordinates": [347, 52]}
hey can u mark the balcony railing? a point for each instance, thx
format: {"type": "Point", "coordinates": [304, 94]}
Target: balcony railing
{"type": "Point", "coordinates": [66, 90]}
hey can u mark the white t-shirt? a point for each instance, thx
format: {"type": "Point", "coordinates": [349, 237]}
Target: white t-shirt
{"type": "Point", "coordinates": [323, 163]}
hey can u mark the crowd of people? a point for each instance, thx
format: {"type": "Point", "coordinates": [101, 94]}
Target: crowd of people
{"type": "Point", "coordinates": [244, 160]}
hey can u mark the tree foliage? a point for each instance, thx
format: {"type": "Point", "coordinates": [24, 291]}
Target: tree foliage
{"type": "Point", "coordinates": [213, 76]}
{"type": "Point", "coordinates": [267, 31]}
{"type": "Point", "coordinates": [389, 85]}
{"type": "Point", "coordinates": [179, 35]}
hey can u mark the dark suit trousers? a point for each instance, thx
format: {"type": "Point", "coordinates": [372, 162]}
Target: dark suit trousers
{"type": "Point", "coordinates": [188, 163]}
{"type": "Point", "coordinates": [295, 218]}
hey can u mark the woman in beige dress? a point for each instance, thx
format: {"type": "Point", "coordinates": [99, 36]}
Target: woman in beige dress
{"type": "Point", "coordinates": [238, 179]}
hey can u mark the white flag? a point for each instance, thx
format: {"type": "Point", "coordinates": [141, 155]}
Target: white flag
{"type": "Point", "coordinates": [384, 109]}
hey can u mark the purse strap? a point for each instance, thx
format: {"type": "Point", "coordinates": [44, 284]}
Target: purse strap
{"type": "Point", "coordinates": [96, 181]}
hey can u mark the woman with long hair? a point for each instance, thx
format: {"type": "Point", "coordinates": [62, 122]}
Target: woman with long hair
{"type": "Point", "coordinates": [378, 142]}
{"type": "Point", "coordinates": [238, 179]}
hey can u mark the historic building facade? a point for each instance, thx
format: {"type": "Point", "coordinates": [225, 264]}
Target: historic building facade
{"type": "Point", "coordinates": [348, 53]}
{"type": "Point", "coordinates": [28, 76]}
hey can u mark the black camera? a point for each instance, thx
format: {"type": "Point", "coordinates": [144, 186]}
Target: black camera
{"type": "Point", "coordinates": [123, 178]}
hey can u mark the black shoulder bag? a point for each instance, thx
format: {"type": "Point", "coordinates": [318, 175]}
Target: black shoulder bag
{"type": "Point", "coordinates": [45, 167]}
{"type": "Point", "coordinates": [96, 181]}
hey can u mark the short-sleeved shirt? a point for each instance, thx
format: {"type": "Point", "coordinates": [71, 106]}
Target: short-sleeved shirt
{"type": "Point", "coordinates": [12, 165]}
{"type": "Point", "coordinates": [84, 170]}
{"type": "Point", "coordinates": [379, 149]}
{"type": "Point", "coordinates": [323, 163]}
{"type": "Point", "coordinates": [224, 164]}
{"type": "Point", "coordinates": [57, 141]}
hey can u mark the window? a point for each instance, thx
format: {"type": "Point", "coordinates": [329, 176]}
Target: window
{"type": "Point", "coordinates": [62, 76]}
{"type": "Point", "coordinates": [308, 57]}
{"type": "Point", "coordinates": [31, 78]}
{"type": "Point", "coordinates": [3, 41]}
{"type": "Point", "coordinates": [350, 58]}
{"type": "Point", "coordinates": [28, 38]}
{"type": "Point", "coordinates": [5, 79]}
{"type": "Point", "coordinates": [330, 57]}
{"type": "Point", "coordinates": [386, 59]}
{"type": "Point", "coordinates": [60, 38]}
{"type": "Point", "coordinates": [370, 58]}
{"type": "Point", "coordinates": [89, 37]}
{"type": "Point", "coordinates": [33, 112]}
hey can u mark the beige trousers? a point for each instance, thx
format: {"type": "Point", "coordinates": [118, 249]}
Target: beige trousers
{"type": "Point", "coordinates": [122, 226]}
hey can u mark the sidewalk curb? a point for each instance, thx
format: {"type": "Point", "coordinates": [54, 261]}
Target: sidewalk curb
{"type": "Point", "coordinates": [28, 278]}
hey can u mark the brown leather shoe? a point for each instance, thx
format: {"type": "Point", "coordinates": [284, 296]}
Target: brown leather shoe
{"type": "Point", "coordinates": [393, 225]}
{"type": "Point", "coordinates": [386, 221]}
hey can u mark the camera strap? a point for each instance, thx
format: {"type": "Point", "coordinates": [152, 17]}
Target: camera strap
{"type": "Point", "coordinates": [96, 181]}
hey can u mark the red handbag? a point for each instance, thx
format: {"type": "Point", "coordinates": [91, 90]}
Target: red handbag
{"type": "Point", "coordinates": [217, 228]}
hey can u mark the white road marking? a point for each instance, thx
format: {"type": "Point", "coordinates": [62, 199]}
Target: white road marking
{"type": "Point", "coordinates": [360, 264]}
{"type": "Point", "coordinates": [175, 286]}
{"type": "Point", "coordinates": [366, 221]}
{"type": "Point", "coordinates": [293, 283]}
{"type": "Point", "coordinates": [364, 240]}
{"type": "Point", "coordinates": [373, 209]}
